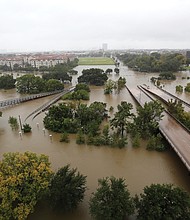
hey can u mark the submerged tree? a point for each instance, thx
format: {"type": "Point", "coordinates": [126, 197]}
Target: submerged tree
{"type": "Point", "coordinates": [7, 82]}
{"type": "Point", "coordinates": [109, 86]}
{"type": "Point", "coordinates": [93, 76]}
{"type": "Point", "coordinates": [13, 122]}
{"type": "Point", "coordinates": [67, 189]}
{"type": "Point", "coordinates": [26, 128]}
{"type": "Point", "coordinates": [30, 84]}
{"type": "Point", "coordinates": [147, 120]}
{"type": "Point", "coordinates": [24, 178]}
{"type": "Point", "coordinates": [111, 201]}
{"type": "Point", "coordinates": [163, 202]}
{"type": "Point", "coordinates": [122, 117]}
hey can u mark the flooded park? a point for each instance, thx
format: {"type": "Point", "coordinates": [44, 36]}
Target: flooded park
{"type": "Point", "coordinates": [137, 165]}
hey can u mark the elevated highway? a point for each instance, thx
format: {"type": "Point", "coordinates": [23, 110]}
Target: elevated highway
{"type": "Point", "coordinates": [172, 130]}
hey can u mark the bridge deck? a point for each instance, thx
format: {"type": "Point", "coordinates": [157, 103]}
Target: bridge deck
{"type": "Point", "coordinates": [11, 102]}
{"type": "Point", "coordinates": [177, 136]}
{"type": "Point", "coordinates": [165, 96]}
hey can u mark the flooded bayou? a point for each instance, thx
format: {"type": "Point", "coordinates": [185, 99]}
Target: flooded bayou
{"type": "Point", "coordinates": [138, 166]}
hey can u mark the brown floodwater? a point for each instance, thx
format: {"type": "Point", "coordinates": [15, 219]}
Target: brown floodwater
{"type": "Point", "coordinates": [138, 166]}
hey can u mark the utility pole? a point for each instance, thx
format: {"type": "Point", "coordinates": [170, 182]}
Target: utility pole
{"type": "Point", "coordinates": [20, 122]}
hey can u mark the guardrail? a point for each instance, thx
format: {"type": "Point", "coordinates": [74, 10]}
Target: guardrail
{"type": "Point", "coordinates": [11, 102]}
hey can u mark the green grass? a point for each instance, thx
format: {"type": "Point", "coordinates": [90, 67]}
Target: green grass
{"type": "Point", "coordinates": [95, 61]}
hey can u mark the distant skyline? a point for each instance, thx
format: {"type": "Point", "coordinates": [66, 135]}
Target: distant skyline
{"type": "Point", "coordinates": [51, 25]}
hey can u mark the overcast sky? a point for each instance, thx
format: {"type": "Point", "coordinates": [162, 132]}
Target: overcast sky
{"type": "Point", "coordinates": [43, 25]}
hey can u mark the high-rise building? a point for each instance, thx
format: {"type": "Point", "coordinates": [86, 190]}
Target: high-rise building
{"type": "Point", "coordinates": [104, 46]}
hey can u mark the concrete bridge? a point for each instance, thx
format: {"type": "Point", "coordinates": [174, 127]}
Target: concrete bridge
{"type": "Point", "coordinates": [166, 96]}
{"type": "Point", "coordinates": [49, 103]}
{"type": "Point", "coordinates": [172, 130]}
{"type": "Point", "coordinates": [11, 102]}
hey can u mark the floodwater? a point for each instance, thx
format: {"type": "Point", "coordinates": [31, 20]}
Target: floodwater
{"type": "Point", "coordinates": [138, 166]}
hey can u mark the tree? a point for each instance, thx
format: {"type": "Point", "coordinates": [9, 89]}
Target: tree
{"type": "Point", "coordinates": [7, 82]}
{"type": "Point", "coordinates": [60, 72]}
{"type": "Point", "coordinates": [109, 86]}
{"type": "Point", "coordinates": [121, 118]}
{"type": "Point", "coordinates": [187, 88]}
{"type": "Point", "coordinates": [108, 71]}
{"type": "Point", "coordinates": [67, 189]}
{"type": "Point", "coordinates": [43, 69]}
{"type": "Point", "coordinates": [26, 128]}
{"type": "Point", "coordinates": [179, 88]}
{"type": "Point", "coordinates": [13, 123]}
{"type": "Point", "coordinates": [24, 178]}
{"type": "Point", "coordinates": [161, 202]}
{"type": "Point", "coordinates": [93, 76]}
{"type": "Point", "coordinates": [116, 70]}
{"type": "Point", "coordinates": [53, 85]}
{"type": "Point", "coordinates": [120, 83]}
{"type": "Point", "coordinates": [177, 110]}
{"type": "Point", "coordinates": [147, 120]}
{"type": "Point", "coordinates": [82, 86]}
{"type": "Point", "coordinates": [166, 76]}
{"type": "Point", "coordinates": [155, 62]}
{"type": "Point", "coordinates": [64, 138]}
{"type": "Point", "coordinates": [64, 118]}
{"type": "Point", "coordinates": [80, 139]}
{"type": "Point", "coordinates": [111, 201]}
{"type": "Point", "coordinates": [30, 84]}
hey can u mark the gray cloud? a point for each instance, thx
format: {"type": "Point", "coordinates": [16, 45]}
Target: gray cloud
{"type": "Point", "coordinates": [63, 25]}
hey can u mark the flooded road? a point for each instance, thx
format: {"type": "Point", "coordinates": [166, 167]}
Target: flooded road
{"type": "Point", "coordinates": [138, 166]}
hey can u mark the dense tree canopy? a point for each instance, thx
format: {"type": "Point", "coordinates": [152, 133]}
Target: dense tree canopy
{"type": "Point", "coordinates": [147, 120]}
{"type": "Point", "coordinates": [81, 92]}
{"type": "Point", "coordinates": [7, 82]}
{"type": "Point", "coordinates": [30, 84]}
{"type": "Point", "coordinates": [53, 85]}
{"type": "Point", "coordinates": [59, 75]}
{"type": "Point", "coordinates": [67, 189]}
{"type": "Point", "coordinates": [93, 76]}
{"type": "Point", "coordinates": [111, 201]}
{"type": "Point", "coordinates": [82, 86]}
{"type": "Point", "coordinates": [24, 178]}
{"type": "Point", "coordinates": [155, 62]}
{"type": "Point", "coordinates": [163, 202]}
{"type": "Point", "coordinates": [60, 71]}
{"type": "Point", "coordinates": [64, 118]}
{"type": "Point", "coordinates": [34, 84]}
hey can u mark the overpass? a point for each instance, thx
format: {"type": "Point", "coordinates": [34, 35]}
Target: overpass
{"type": "Point", "coordinates": [172, 130]}
{"type": "Point", "coordinates": [165, 96]}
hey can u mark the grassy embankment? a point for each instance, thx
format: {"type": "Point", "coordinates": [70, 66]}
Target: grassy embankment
{"type": "Point", "coordinates": [95, 61]}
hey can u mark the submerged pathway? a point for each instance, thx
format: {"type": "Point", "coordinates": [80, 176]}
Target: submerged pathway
{"type": "Point", "coordinates": [173, 131]}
